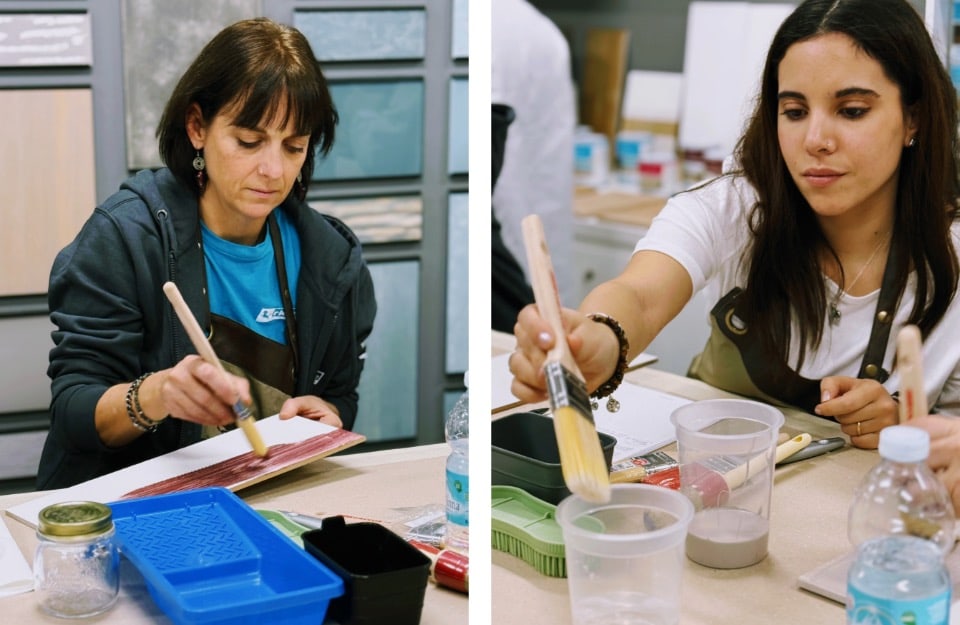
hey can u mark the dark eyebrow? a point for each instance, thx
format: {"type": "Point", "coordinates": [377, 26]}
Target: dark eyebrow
{"type": "Point", "coordinates": [843, 93]}
{"type": "Point", "coordinates": [857, 91]}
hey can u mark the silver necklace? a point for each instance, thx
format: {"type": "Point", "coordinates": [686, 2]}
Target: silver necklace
{"type": "Point", "coordinates": [834, 312]}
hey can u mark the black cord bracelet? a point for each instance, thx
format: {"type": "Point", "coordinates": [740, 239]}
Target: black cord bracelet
{"type": "Point", "coordinates": [138, 418]}
{"type": "Point", "coordinates": [614, 381]}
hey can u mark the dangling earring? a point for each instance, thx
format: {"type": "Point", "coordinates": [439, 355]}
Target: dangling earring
{"type": "Point", "coordinates": [301, 189]}
{"type": "Point", "coordinates": [200, 165]}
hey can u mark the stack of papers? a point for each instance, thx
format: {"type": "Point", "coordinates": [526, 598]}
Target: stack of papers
{"type": "Point", "coordinates": [643, 422]}
{"type": "Point", "coordinates": [500, 379]}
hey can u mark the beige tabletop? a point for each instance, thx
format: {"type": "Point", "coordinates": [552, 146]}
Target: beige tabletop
{"type": "Point", "coordinates": [383, 486]}
{"type": "Point", "coordinates": [808, 527]}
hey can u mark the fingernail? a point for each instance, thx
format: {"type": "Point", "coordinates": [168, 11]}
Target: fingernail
{"type": "Point", "coordinates": [825, 396]}
{"type": "Point", "coordinates": [544, 339]}
{"type": "Point", "coordinates": [816, 410]}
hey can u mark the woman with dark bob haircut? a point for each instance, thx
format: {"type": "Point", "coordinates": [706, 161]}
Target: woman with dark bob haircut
{"type": "Point", "coordinates": [282, 291]}
{"type": "Point", "coordinates": [834, 227]}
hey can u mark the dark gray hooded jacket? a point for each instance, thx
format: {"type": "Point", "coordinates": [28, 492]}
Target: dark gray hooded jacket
{"type": "Point", "coordinates": [114, 323]}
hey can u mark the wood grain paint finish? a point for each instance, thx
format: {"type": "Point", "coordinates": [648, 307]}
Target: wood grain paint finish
{"type": "Point", "coordinates": [48, 181]}
{"type": "Point", "coordinates": [248, 468]}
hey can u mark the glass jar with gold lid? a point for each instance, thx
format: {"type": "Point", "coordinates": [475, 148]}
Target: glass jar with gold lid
{"type": "Point", "coordinates": [77, 566]}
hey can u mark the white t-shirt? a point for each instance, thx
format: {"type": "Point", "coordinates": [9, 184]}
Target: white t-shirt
{"type": "Point", "coordinates": [707, 232]}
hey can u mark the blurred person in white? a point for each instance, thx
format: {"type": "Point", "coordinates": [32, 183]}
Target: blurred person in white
{"type": "Point", "coordinates": [530, 72]}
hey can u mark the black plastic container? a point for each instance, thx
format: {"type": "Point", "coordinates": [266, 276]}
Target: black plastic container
{"type": "Point", "coordinates": [384, 577]}
{"type": "Point", "coordinates": [526, 455]}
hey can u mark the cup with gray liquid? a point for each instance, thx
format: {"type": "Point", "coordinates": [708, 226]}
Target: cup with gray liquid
{"type": "Point", "coordinates": [727, 453]}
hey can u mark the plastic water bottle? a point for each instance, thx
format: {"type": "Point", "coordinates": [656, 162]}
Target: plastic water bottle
{"type": "Point", "coordinates": [457, 431]}
{"type": "Point", "coordinates": [902, 523]}
{"type": "Point", "coordinates": [901, 495]}
{"type": "Point", "coordinates": [898, 579]}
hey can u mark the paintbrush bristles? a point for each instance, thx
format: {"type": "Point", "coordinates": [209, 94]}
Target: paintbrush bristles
{"type": "Point", "coordinates": [582, 462]}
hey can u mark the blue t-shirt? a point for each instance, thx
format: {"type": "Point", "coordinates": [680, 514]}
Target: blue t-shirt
{"type": "Point", "coordinates": [242, 279]}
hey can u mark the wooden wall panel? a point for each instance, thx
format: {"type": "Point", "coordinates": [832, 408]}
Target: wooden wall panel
{"type": "Point", "coordinates": [47, 184]}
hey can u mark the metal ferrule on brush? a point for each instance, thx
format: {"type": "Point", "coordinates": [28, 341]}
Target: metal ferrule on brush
{"type": "Point", "coordinates": [566, 389]}
{"type": "Point", "coordinates": [241, 410]}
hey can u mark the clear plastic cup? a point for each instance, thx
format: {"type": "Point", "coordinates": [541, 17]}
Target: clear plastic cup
{"type": "Point", "coordinates": [625, 557]}
{"type": "Point", "coordinates": [727, 453]}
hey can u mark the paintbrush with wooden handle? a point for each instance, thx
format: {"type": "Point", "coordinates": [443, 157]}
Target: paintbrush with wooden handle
{"type": "Point", "coordinates": [244, 417]}
{"type": "Point", "coordinates": [913, 399]}
{"type": "Point", "coordinates": [584, 467]}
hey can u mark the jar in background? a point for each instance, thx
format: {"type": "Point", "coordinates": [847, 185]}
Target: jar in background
{"type": "Point", "coordinates": [658, 173]}
{"type": "Point", "coordinates": [713, 160]}
{"type": "Point", "coordinates": [76, 568]}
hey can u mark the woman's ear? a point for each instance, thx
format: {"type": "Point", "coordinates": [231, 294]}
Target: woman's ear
{"type": "Point", "coordinates": [910, 127]}
{"type": "Point", "coordinates": [196, 130]}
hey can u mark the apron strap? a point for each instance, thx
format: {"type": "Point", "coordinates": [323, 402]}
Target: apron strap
{"type": "Point", "coordinates": [290, 322]}
{"type": "Point", "coordinates": [872, 365]}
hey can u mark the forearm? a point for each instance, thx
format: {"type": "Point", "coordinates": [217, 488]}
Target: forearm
{"type": "Point", "coordinates": [650, 292]}
{"type": "Point", "coordinates": [113, 422]}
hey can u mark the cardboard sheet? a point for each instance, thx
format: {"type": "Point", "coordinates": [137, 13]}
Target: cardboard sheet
{"type": "Point", "coordinates": [652, 96]}
{"type": "Point", "coordinates": [224, 460]}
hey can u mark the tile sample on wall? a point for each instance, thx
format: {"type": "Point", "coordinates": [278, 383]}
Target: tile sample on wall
{"type": "Point", "coordinates": [387, 408]}
{"type": "Point", "coordinates": [458, 327]}
{"type": "Point", "coordinates": [364, 35]}
{"type": "Point", "coordinates": [378, 219]}
{"type": "Point", "coordinates": [48, 180]}
{"type": "Point", "coordinates": [380, 133]}
{"type": "Point", "coordinates": [457, 131]}
{"type": "Point", "coordinates": [171, 31]}
{"type": "Point", "coordinates": [45, 39]}
{"type": "Point", "coordinates": [26, 341]}
{"type": "Point", "coordinates": [460, 41]}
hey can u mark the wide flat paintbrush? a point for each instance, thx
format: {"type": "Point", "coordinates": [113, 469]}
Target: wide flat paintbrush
{"type": "Point", "coordinates": [584, 467]}
{"type": "Point", "coordinates": [244, 417]}
{"type": "Point", "coordinates": [913, 399]}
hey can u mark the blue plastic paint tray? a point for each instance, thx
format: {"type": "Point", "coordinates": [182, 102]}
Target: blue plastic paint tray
{"type": "Point", "coordinates": [208, 558]}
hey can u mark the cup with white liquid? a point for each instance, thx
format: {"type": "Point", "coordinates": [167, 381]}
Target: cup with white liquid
{"type": "Point", "coordinates": [727, 453]}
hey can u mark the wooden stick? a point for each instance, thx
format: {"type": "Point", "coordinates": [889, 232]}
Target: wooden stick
{"type": "Point", "coordinates": [913, 399]}
{"type": "Point", "coordinates": [584, 467]}
{"type": "Point", "coordinates": [203, 347]}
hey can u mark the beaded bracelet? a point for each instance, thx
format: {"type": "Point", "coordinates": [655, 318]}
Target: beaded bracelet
{"type": "Point", "coordinates": [613, 382]}
{"type": "Point", "coordinates": [138, 418]}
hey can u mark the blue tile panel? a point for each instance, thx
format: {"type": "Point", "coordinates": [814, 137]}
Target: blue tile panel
{"type": "Point", "coordinates": [388, 387]}
{"type": "Point", "coordinates": [380, 133]}
{"type": "Point", "coordinates": [381, 35]}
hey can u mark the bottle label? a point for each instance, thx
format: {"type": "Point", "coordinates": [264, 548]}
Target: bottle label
{"type": "Point", "coordinates": [458, 489]}
{"type": "Point", "coordinates": [864, 608]}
